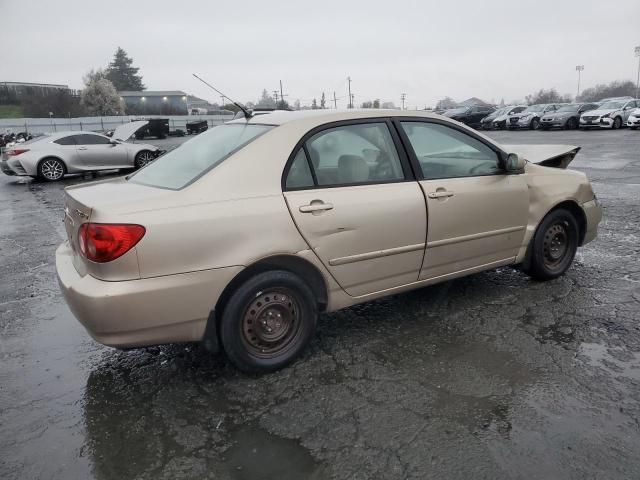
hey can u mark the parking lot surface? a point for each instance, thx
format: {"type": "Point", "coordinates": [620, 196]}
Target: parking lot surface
{"type": "Point", "coordinates": [490, 376]}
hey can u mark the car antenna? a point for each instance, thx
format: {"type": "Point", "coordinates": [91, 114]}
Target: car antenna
{"type": "Point", "coordinates": [247, 113]}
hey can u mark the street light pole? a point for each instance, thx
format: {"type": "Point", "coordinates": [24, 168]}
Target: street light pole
{"type": "Point", "coordinates": [637, 51]}
{"type": "Point", "coordinates": [579, 69]}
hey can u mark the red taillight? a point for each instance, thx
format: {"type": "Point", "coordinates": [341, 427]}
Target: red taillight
{"type": "Point", "coordinates": [16, 151]}
{"type": "Point", "coordinates": [104, 242]}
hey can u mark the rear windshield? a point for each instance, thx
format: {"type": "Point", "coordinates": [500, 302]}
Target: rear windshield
{"type": "Point", "coordinates": [195, 157]}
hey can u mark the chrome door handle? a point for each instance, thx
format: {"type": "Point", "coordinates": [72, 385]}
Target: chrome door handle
{"type": "Point", "coordinates": [316, 207]}
{"type": "Point", "coordinates": [441, 194]}
{"type": "Point", "coordinates": [82, 148]}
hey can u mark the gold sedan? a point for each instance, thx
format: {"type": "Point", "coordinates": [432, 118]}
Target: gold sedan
{"type": "Point", "coordinates": [242, 235]}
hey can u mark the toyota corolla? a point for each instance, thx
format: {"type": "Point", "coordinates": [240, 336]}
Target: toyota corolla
{"type": "Point", "coordinates": [241, 236]}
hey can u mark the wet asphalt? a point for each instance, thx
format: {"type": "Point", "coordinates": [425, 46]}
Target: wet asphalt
{"type": "Point", "coordinates": [491, 376]}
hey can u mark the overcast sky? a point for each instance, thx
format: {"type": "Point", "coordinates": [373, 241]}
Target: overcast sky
{"type": "Point", "coordinates": [426, 49]}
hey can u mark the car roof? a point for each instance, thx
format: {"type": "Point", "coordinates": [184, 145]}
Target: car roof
{"type": "Point", "coordinates": [325, 115]}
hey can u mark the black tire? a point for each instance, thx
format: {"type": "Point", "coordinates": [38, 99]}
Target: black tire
{"type": "Point", "coordinates": [617, 123]}
{"type": "Point", "coordinates": [553, 246]}
{"type": "Point", "coordinates": [51, 169]}
{"type": "Point", "coordinates": [268, 321]}
{"type": "Point", "coordinates": [143, 157]}
{"type": "Point", "coordinates": [571, 124]}
{"type": "Point", "coordinates": [535, 124]}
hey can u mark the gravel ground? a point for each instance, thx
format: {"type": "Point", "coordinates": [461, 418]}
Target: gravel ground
{"type": "Point", "coordinates": [490, 376]}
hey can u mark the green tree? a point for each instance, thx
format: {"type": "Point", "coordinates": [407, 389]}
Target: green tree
{"type": "Point", "coordinates": [314, 105]}
{"type": "Point", "coordinates": [617, 88]}
{"type": "Point", "coordinates": [99, 97]}
{"type": "Point", "coordinates": [376, 103]}
{"type": "Point", "coordinates": [122, 74]}
{"type": "Point", "coordinates": [322, 102]}
{"type": "Point", "coordinates": [367, 104]}
{"type": "Point", "coordinates": [547, 96]}
{"type": "Point", "coordinates": [266, 100]}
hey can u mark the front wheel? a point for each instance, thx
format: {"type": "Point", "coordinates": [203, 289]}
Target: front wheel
{"type": "Point", "coordinates": [143, 158]}
{"type": "Point", "coordinates": [553, 246]}
{"type": "Point", "coordinates": [572, 124]}
{"type": "Point", "coordinates": [535, 124]}
{"type": "Point", "coordinates": [617, 123]}
{"type": "Point", "coordinates": [268, 321]}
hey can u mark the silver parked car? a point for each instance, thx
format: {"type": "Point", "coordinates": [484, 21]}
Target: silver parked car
{"type": "Point", "coordinates": [50, 157]}
{"type": "Point", "coordinates": [612, 114]}
{"type": "Point", "coordinates": [530, 116]}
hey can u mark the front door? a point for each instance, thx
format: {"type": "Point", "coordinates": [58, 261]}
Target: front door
{"type": "Point", "coordinates": [352, 196]}
{"type": "Point", "coordinates": [477, 214]}
{"type": "Point", "coordinates": [97, 151]}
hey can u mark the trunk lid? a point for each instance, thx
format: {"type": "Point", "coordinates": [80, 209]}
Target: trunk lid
{"type": "Point", "coordinates": [109, 201]}
{"type": "Point", "coordinates": [126, 130]}
{"type": "Point", "coordinates": [556, 156]}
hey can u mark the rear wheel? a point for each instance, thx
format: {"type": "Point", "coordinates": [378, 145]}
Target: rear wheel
{"type": "Point", "coordinates": [51, 169]}
{"type": "Point", "coordinates": [143, 158]}
{"type": "Point", "coordinates": [268, 321]}
{"type": "Point", "coordinates": [553, 246]}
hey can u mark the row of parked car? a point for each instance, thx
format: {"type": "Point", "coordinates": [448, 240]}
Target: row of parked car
{"type": "Point", "coordinates": [610, 113]}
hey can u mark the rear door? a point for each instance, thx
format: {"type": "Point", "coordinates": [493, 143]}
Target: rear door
{"type": "Point", "coordinates": [97, 151]}
{"type": "Point", "coordinates": [477, 214]}
{"type": "Point", "coordinates": [352, 195]}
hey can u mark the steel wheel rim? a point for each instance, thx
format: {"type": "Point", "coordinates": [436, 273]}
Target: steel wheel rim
{"type": "Point", "coordinates": [556, 244]}
{"type": "Point", "coordinates": [52, 170]}
{"type": "Point", "coordinates": [144, 158]}
{"type": "Point", "coordinates": [271, 322]}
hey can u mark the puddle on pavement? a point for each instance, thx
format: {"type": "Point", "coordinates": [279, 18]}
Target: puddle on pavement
{"type": "Point", "coordinates": [598, 355]}
{"type": "Point", "coordinates": [258, 455]}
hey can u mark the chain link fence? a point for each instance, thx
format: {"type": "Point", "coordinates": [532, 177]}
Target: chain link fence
{"type": "Point", "coordinates": [36, 126]}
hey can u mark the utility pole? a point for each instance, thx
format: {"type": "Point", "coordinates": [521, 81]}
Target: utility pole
{"type": "Point", "coordinates": [281, 95]}
{"type": "Point", "coordinates": [335, 102]}
{"type": "Point", "coordinates": [403, 96]}
{"type": "Point", "coordinates": [275, 95]}
{"type": "Point", "coordinates": [637, 52]}
{"type": "Point", "coordinates": [579, 69]}
{"type": "Point", "coordinates": [350, 96]}
{"type": "Point", "coordinates": [353, 96]}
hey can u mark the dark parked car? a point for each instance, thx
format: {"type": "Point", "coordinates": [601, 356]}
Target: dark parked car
{"type": "Point", "coordinates": [567, 116]}
{"type": "Point", "coordinates": [471, 116]}
{"type": "Point", "coordinates": [157, 127]}
{"type": "Point", "coordinates": [197, 126]}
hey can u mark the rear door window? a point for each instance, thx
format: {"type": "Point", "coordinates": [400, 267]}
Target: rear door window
{"type": "Point", "coordinates": [88, 139]}
{"type": "Point", "coordinates": [354, 154]}
{"type": "Point", "coordinates": [68, 140]}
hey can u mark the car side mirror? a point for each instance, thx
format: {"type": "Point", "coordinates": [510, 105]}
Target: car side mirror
{"type": "Point", "coordinates": [113, 143]}
{"type": "Point", "coordinates": [514, 164]}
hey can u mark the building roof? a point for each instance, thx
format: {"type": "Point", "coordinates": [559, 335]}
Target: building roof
{"type": "Point", "coordinates": [152, 93]}
{"type": "Point", "coordinates": [469, 102]}
{"type": "Point", "coordinates": [27, 84]}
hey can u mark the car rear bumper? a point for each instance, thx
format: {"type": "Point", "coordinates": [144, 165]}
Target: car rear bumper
{"type": "Point", "coordinates": [12, 166]}
{"type": "Point", "coordinates": [593, 214]}
{"type": "Point", "coordinates": [135, 313]}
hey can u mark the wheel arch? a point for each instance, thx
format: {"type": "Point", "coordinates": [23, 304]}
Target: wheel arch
{"type": "Point", "coordinates": [291, 263]}
{"type": "Point", "coordinates": [55, 157]}
{"type": "Point", "coordinates": [575, 209]}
